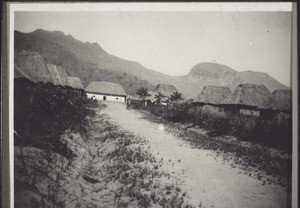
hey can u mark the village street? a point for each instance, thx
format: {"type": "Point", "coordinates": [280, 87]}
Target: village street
{"type": "Point", "coordinates": [208, 180]}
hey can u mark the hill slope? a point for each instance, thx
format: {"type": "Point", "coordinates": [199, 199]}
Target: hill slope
{"type": "Point", "coordinates": [93, 53]}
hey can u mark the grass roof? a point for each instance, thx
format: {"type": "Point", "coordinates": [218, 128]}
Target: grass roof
{"type": "Point", "coordinates": [106, 88]}
{"type": "Point", "coordinates": [250, 95]}
{"type": "Point", "coordinates": [75, 83]}
{"type": "Point", "coordinates": [55, 76]}
{"type": "Point", "coordinates": [282, 100]}
{"type": "Point", "coordinates": [167, 90]}
{"type": "Point", "coordinates": [213, 94]}
{"type": "Point", "coordinates": [63, 76]}
{"type": "Point", "coordinates": [31, 65]}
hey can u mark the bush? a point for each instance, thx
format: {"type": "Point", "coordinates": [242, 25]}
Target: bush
{"type": "Point", "coordinates": [42, 112]}
{"type": "Point", "coordinates": [272, 131]}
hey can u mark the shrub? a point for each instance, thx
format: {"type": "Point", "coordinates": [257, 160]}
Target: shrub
{"type": "Point", "coordinates": [43, 112]}
{"type": "Point", "coordinates": [272, 131]}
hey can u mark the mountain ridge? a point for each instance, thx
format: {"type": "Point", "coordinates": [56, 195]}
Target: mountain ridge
{"type": "Point", "coordinates": [90, 61]}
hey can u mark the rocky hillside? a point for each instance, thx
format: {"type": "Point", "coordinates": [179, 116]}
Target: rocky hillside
{"type": "Point", "coordinates": [212, 74]}
{"type": "Point", "coordinates": [90, 62]}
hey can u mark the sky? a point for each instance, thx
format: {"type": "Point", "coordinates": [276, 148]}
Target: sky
{"type": "Point", "coordinates": [173, 42]}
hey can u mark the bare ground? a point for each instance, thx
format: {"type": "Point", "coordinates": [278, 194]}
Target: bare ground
{"type": "Point", "coordinates": [208, 179]}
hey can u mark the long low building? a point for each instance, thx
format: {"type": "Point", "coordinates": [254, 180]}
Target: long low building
{"type": "Point", "coordinates": [106, 91]}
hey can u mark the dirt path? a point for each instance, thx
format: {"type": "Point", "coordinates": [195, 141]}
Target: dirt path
{"type": "Point", "coordinates": [209, 181]}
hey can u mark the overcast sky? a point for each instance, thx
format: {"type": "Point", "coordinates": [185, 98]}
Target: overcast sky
{"type": "Point", "coordinates": [173, 42]}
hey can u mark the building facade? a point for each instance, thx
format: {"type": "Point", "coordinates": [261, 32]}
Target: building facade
{"type": "Point", "coordinates": [97, 96]}
{"type": "Point", "coordinates": [106, 91]}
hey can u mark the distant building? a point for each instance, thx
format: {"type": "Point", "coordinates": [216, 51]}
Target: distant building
{"type": "Point", "coordinates": [211, 97]}
{"type": "Point", "coordinates": [248, 99]}
{"type": "Point", "coordinates": [106, 91]}
{"type": "Point", "coordinates": [76, 85]}
{"type": "Point", "coordinates": [166, 90]}
{"type": "Point", "coordinates": [282, 100]}
{"type": "Point", "coordinates": [282, 103]}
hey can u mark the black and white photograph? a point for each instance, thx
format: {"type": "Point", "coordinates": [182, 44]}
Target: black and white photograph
{"type": "Point", "coordinates": [151, 105]}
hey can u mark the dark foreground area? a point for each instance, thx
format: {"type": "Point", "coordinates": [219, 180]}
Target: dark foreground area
{"type": "Point", "coordinates": [66, 154]}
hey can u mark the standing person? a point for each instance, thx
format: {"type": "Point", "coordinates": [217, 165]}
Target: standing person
{"type": "Point", "coordinates": [128, 104]}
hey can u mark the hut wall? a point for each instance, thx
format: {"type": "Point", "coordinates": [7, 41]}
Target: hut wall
{"type": "Point", "coordinates": [249, 112]}
{"type": "Point", "coordinates": [213, 109]}
{"type": "Point", "coordinates": [79, 92]}
{"type": "Point", "coordinates": [106, 97]}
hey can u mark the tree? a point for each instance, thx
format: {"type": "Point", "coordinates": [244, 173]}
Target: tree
{"type": "Point", "coordinates": [143, 93]}
{"type": "Point", "coordinates": [175, 96]}
{"type": "Point", "coordinates": [159, 96]}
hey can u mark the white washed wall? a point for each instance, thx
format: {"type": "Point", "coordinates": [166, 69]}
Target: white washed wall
{"type": "Point", "coordinates": [108, 97]}
{"type": "Point", "coordinates": [249, 112]}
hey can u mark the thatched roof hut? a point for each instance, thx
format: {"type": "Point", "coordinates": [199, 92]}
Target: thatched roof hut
{"type": "Point", "coordinates": [55, 79]}
{"type": "Point", "coordinates": [106, 88]}
{"type": "Point", "coordinates": [167, 90]}
{"type": "Point", "coordinates": [30, 65]}
{"type": "Point", "coordinates": [213, 94]}
{"type": "Point", "coordinates": [58, 75]}
{"type": "Point", "coordinates": [253, 95]}
{"type": "Point", "coordinates": [75, 83]}
{"type": "Point", "coordinates": [282, 100]}
{"type": "Point", "coordinates": [63, 76]}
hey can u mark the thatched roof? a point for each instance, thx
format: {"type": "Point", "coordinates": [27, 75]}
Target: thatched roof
{"type": "Point", "coordinates": [167, 90]}
{"type": "Point", "coordinates": [63, 76]}
{"type": "Point", "coordinates": [30, 65]}
{"type": "Point", "coordinates": [55, 77]}
{"type": "Point", "coordinates": [250, 95]}
{"type": "Point", "coordinates": [58, 75]}
{"type": "Point", "coordinates": [106, 88]}
{"type": "Point", "coordinates": [282, 100]}
{"type": "Point", "coordinates": [213, 94]}
{"type": "Point", "coordinates": [75, 83]}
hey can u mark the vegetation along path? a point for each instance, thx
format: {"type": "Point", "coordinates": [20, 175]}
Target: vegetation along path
{"type": "Point", "coordinates": [208, 180]}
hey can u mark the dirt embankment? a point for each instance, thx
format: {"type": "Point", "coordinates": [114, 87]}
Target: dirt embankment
{"type": "Point", "coordinates": [110, 167]}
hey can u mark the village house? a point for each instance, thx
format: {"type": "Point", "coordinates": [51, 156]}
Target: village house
{"type": "Point", "coordinates": [166, 90]}
{"type": "Point", "coordinates": [58, 75]}
{"type": "Point", "coordinates": [211, 97]}
{"type": "Point", "coordinates": [31, 65]}
{"type": "Point", "coordinates": [248, 99]}
{"type": "Point", "coordinates": [282, 102]}
{"type": "Point", "coordinates": [76, 85]}
{"type": "Point", "coordinates": [106, 91]}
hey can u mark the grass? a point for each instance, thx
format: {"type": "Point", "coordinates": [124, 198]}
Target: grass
{"type": "Point", "coordinates": [138, 172]}
{"type": "Point", "coordinates": [43, 112]}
